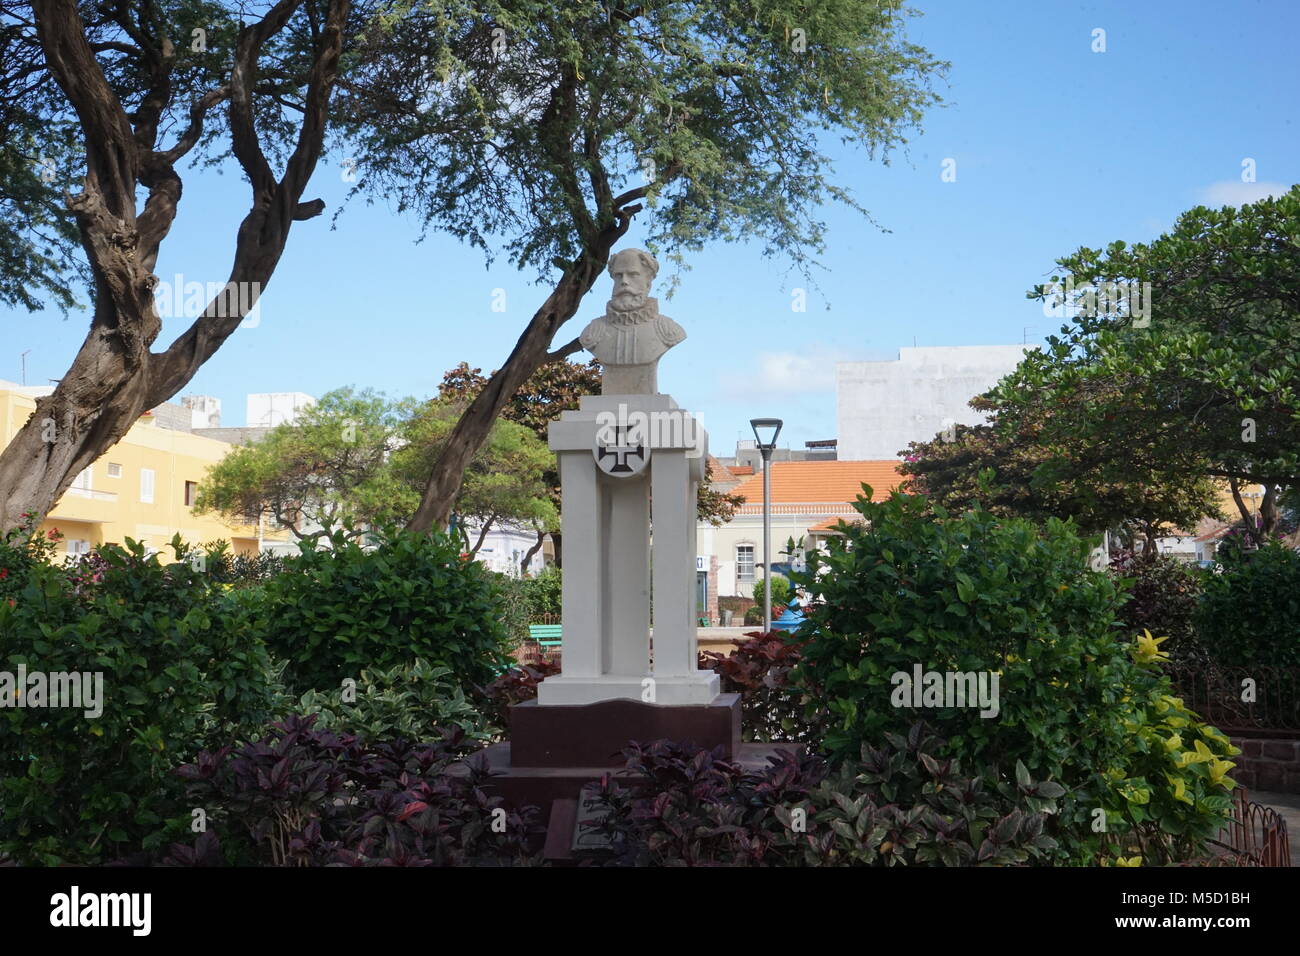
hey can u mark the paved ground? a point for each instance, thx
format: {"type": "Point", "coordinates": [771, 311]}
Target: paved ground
{"type": "Point", "coordinates": [1288, 805]}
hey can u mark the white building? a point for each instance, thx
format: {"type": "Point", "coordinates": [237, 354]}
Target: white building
{"type": "Point", "coordinates": [504, 547]}
{"type": "Point", "coordinates": [882, 406]}
{"type": "Point", "coordinates": [268, 409]}
{"type": "Point", "coordinates": [807, 498]}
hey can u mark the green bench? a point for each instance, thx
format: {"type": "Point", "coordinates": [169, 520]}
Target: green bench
{"type": "Point", "coordinates": [548, 635]}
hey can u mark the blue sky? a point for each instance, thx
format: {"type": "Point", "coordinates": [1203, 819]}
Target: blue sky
{"type": "Point", "coordinates": [1056, 146]}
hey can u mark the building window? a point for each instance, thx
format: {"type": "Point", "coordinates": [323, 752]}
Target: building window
{"type": "Point", "coordinates": [114, 470]}
{"type": "Point", "coordinates": [82, 481]}
{"type": "Point", "coordinates": [146, 485]}
{"type": "Point", "coordinates": [77, 546]}
{"type": "Point", "coordinates": [745, 563]}
{"type": "Point", "coordinates": [191, 492]}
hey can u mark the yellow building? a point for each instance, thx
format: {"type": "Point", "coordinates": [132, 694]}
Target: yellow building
{"type": "Point", "coordinates": [142, 488]}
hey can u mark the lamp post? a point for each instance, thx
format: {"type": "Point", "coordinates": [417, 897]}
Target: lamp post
{"type": "Point", "coordinates": [765, 432]}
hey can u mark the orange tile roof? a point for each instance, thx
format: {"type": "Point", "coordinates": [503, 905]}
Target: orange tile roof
{"type": "Point", "coordinates": [831, 523]}
{"type": "Point", "coordinates": [806, 481]}
{"type": "Point", "coordinates": [742, 469]}
{"type": "Point", "coordinates": [719, 471]}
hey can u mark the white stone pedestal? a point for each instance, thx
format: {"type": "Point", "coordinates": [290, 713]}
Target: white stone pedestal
{"type": "Point", "coordinates": [608, 562]}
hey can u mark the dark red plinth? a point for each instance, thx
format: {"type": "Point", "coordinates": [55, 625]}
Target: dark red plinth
{"type": "Point", "coordinates": [594, 735]}
{"type": "Point", "coordinates": [555, 749]}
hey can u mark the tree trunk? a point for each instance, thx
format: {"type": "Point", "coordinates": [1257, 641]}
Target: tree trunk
{"type": "Point", "coordinates": [482, 535]}
{"type": "Point", "coordinates": [1268, 511]}
{"type": "Point", "coordinates": [529, 354]}
{"type": "Point", "coordinates": [115, 377]}
{"type": "Point", "coordinates": [528, 555]}
{"type": "Point", "coordinates": [1252, 532]}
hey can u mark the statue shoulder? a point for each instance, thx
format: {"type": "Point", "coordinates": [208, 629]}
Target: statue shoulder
{"type": "Point", "coordinates": [669, 331]}
{"type": "Point", "coordinates": [593, 334]}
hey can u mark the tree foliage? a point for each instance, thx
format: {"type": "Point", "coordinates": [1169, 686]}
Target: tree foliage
{"type": "Point", "coordinates": [542, 129]}
{"type": "Point", "coordinates": [358, 457]}
{"type": "Point", "coordinates": [1140, 417]}
{"type": "Point", "coordinates": [116, 97]}
{"type": "Point", "coordinates": [1207, 383]}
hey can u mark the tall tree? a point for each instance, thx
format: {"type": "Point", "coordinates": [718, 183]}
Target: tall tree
{"type": "Point", "coordinates": [586, 112]}
{"type": "Point", "coordinates": [140, 104]}
{"type": "Point", "coordinates": [1205, 380]}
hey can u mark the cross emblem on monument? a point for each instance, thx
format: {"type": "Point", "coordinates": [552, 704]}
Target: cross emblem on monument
{"type": "Point", "coordinates": [622, 457]}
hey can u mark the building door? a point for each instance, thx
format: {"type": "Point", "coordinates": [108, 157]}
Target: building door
{"type": "Point", "coordinates": [701, 594]}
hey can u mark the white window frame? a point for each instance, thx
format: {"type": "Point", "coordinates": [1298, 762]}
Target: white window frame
{"type": "Point", "coordinates": [753, 564]}
{"type": "Point", "coordinates": [148, 482]}
{"type": "Point", "coordinates": [110, 470]}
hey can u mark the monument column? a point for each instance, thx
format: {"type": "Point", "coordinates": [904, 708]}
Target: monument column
{"type": "Point", "coordinates": [581, 604]}
{"type": "Point", "coordinates": [626, 563]}
{"type": "Point", "coordinates": [674, 584]}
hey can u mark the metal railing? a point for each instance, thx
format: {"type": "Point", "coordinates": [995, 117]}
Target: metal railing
{"type": "Point", "coordinates": [1246, 700]}
{"type": "Point", "coordinates": [1256, 836]}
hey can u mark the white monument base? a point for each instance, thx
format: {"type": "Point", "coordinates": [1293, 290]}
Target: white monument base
{"type": "Point", "coordinates": [699, 688]}
{"type": "Point", "coordinates": [656, 452]}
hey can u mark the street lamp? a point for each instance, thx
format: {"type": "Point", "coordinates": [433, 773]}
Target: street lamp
{"type": "Point", "coordinates": [765, 432]}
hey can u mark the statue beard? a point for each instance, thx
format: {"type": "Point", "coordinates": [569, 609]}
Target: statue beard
{"type": "Point", "coordinates": [645, 310]}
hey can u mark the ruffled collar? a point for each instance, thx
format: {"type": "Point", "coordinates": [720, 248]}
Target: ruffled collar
{"type": "Point", "coordinates": [646, 312]}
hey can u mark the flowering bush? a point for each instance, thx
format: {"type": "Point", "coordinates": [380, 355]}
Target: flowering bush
{"type": "Point", "coordinates": [22, 548]}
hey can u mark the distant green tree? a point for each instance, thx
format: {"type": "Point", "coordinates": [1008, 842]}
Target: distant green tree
{"type": "Point", "coordinates": [1203, 382]}
{"type": "Point", "coordinates": [357, 457]}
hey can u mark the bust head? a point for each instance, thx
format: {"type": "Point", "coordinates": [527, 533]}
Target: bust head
{"type": "Point", "coordinates": [632, 271]}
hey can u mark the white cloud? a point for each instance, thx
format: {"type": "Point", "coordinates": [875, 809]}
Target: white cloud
{"type": "Point", "coordinates": [1232, 192]}
{"type": "Point", "coordinates": [785, 373]}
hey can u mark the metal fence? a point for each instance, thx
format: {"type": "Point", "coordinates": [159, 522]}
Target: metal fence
{"type": "Point", "coordinates": [1257, 836]}
{"type": "Point", "coordinates": [1253, 701]}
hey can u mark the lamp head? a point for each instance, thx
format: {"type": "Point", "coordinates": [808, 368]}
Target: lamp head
{"type": "Point", "coordinates": [765, 432]}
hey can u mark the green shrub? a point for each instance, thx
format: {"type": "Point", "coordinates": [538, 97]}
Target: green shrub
{"type": "Point", "coordinates": [1250, 611]}
{"type": "Point", "coordinates": [1162, 597]}
{"type": "Point", "coordinates": [896, 806]}
{"type": "Point", "coordinates": [780, 592]}
{"type": "Point", "coordinates": [758, 669]}
{"type": "Point", "coordinates": [179, 673]}
{"type": "Point", "coordinates": [1168, 792]}
{"type": "Point", "coordinates": [336, 612]}
{"type": "Point", "coordinates": [408, 701]}
{"type": "Point", "coordinates": [21, 549]}
{"type": "Point", "coordinates": [918, 587]}
{"type": "Point", "coordinates": [543, 592]}
{"type": "Point", "coordinates": [239, 570]}
{"type": "Point", "coordinates": [900, 806]}
{"type": "Point", "coordinates": [516, 612]}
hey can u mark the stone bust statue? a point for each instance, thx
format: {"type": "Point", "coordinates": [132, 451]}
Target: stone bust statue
{"type": "Point", "coordinates": [631, 337]}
